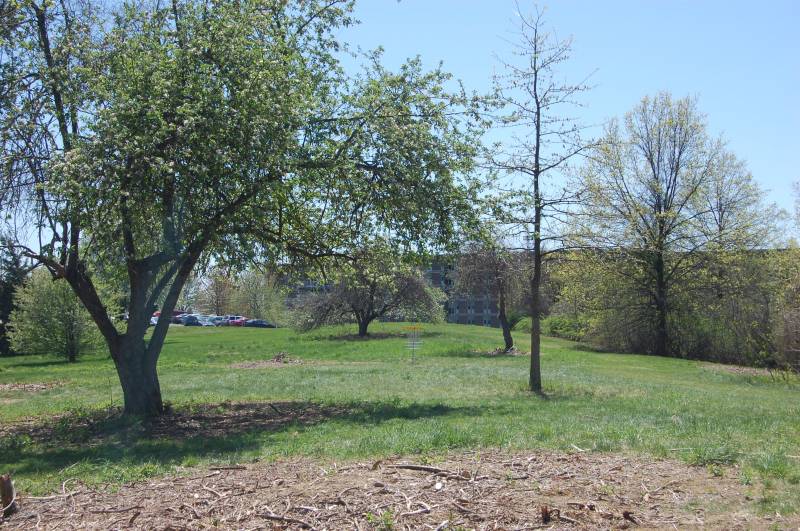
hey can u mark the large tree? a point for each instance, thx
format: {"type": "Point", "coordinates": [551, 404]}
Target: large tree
{"type": "Point", "coordinates": [178, 131]}
{"type": "Point", "coordinates": [668, 201]}
{"type": "Point", "coordinates": [544, 138]}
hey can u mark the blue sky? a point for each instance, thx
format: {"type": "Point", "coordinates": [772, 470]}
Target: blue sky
{"type": "Point", "coordinates": [740, 59]}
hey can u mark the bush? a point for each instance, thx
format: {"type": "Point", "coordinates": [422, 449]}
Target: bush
{"type": "Point", "coordinates": [49, 319]}
{"type": "Point", "coordinates": [561, 326]}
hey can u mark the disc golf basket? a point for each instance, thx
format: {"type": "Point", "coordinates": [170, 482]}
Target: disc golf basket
{"type": "Point", "coordinates": [413, 341]}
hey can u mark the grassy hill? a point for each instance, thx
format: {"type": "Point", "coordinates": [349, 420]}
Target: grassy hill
{"type": "Point", "coordinates": [353, 398]}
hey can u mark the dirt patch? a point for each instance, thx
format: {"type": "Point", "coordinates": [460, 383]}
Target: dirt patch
{"type": "Point", "coordinates": [486, 490]}
{"type": "Point", "coordinates": [736, 369]}
{"type": "Point", "coordinates": [281, 359]}
{"type": "Point", "coordinates": [502, 352]}
{"type": "Point", "coordinates": [30, 387]}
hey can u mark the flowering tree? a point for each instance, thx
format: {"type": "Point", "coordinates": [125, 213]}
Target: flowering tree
{"type": "Point", "coordinates": [174, 132]}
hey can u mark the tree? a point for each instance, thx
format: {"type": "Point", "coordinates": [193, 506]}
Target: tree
{"type": "Point", "coordinates": [13, 271]}
{"type": "Point", "coordinates": [216, 293]}
{"type": "Point", "coordinates": [174, 133]}
{"type": "Point", "coordinates": [666, 201]}
{"type": "Point", "coordinates": [259, 294]}
{"type": "Point", "coordinates": [490, 268]}
{"type": "Point", "coordinates": [375, 284]}
{"type": "Point", "coordinates": [49, 319]}
{"type": "Point", "coordinates": [537, 100]}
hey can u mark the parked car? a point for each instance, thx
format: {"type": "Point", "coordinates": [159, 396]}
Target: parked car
{"type": "Point", "coordinates": [190, 320]}
{"type": "Point", "coordinates": [258, 323]}
{"type": "Point", "coordinates": [218, 320]}
{"type": "Point", "coordinates": [177, 319]}
{"type": "Point", "coordinates": [205, 320]}
{"type": "Point", "coordinates": [240, 321]}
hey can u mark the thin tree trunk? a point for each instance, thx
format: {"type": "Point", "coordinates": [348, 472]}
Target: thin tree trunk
{"type": "Point", "coordinates": [504, 324]}
{"type": "Point", "coordinates": [535, 380]}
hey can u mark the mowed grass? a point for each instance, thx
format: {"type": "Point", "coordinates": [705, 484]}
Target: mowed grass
{"type": "Point", "coordinates": [452, 396]}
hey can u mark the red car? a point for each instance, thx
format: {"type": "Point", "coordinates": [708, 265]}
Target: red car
{"type": "Point", "coordinates": [239, 321]}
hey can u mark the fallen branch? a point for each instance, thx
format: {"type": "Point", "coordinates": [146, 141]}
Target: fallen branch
{"type": "Point", "coordinates": [123, 510]}
{"type": "Point", "coordinates": [209, 489]}
{"type": "Point", "coordinates": [287, 519]}
{"type": "Point", "coordinates": [422, 468]}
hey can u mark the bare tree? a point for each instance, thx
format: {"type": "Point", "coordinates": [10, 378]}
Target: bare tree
{"type": "Point", "coordinates": [544, 140]}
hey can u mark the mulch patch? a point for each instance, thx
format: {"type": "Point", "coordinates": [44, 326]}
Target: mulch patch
{"type": "Point", "coordinates": [502, 352]}
{"type": "Point", "coordinates": [280, 359]}
{"type": "Point", "coordinates": [29, 387]}
{"type": "Point", "coordinates": [470, 490]}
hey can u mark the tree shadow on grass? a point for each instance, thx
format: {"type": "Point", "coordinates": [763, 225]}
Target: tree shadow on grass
{"type": "Point", "coordinates": [498, 353]}
{"type": "Point", "coordinates": [376, 336]}
{"type": "Point", "coordinates": [55, 362]}
{"type": "Point", "coordinates": [191, 431]}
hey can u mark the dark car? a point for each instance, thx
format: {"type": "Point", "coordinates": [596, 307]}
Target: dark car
{"type": "Point", "coordinates": [258, 323]}
{"type": "Point", "coordinates": [177, 319]}
{"type": "Point", "coordinates": [191, 320]}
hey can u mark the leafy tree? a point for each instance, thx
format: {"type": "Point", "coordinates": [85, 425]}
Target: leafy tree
{"type": "Point", "coordinates": [666, 203]}
{"type": "Point", "coordinates": [375, 284]}
{"type": "Point", "coordinates": [259, 294]}
{"type": "Point", "coordinates": [49, 319]}
{"type": "Point", "coordinates": [13, 270]}
{"type": "Point", "coordinates": [177, 132]}
{"type": "Point", "coordinates": [488, 267]}
{"type": "Point", "coordinates": [537, 104]}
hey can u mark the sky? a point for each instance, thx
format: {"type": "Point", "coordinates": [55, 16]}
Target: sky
{"type": "Point", "coordinates": [741, 60]}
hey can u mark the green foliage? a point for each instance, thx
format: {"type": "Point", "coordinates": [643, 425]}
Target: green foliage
{"type": "Point", "coordinates": [12, 276]}
{"type": "Point", "coordinates": [564, 327]}
{"type": "Point", "coordinates": [49, 319]}
{"type": "Point", "coordinates": [259, 294]}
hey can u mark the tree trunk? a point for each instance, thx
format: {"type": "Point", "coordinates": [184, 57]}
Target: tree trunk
{"type": "Point", "coordinates": [362, 327]}
{"type": "Point", "coordinates": [501, 316]}
{"type": "Point", "coordinates": [139, 378]}
{"type": "Point", "coordinates": [535, 380]}
{"type": "Point", "coordinates": [662, 308]}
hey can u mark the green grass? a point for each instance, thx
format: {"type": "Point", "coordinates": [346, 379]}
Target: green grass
{"type": "Point", "coordinates": [451, 397]}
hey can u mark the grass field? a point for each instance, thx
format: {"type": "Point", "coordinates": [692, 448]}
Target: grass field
{"type": "Point", "coordinates": [368, 399]}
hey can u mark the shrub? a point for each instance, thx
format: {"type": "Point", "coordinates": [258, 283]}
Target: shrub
{"type": "Point", "coordinates": [49, 319]}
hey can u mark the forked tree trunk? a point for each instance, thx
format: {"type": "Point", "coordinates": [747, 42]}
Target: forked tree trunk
{"type": "Point", "coordinates": [139, 378]}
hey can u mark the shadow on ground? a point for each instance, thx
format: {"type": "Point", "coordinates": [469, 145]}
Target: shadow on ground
{"type": "Point", "coordinates": [197, 430]}
{"type": "Point", "coordinates": [376, 336]}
